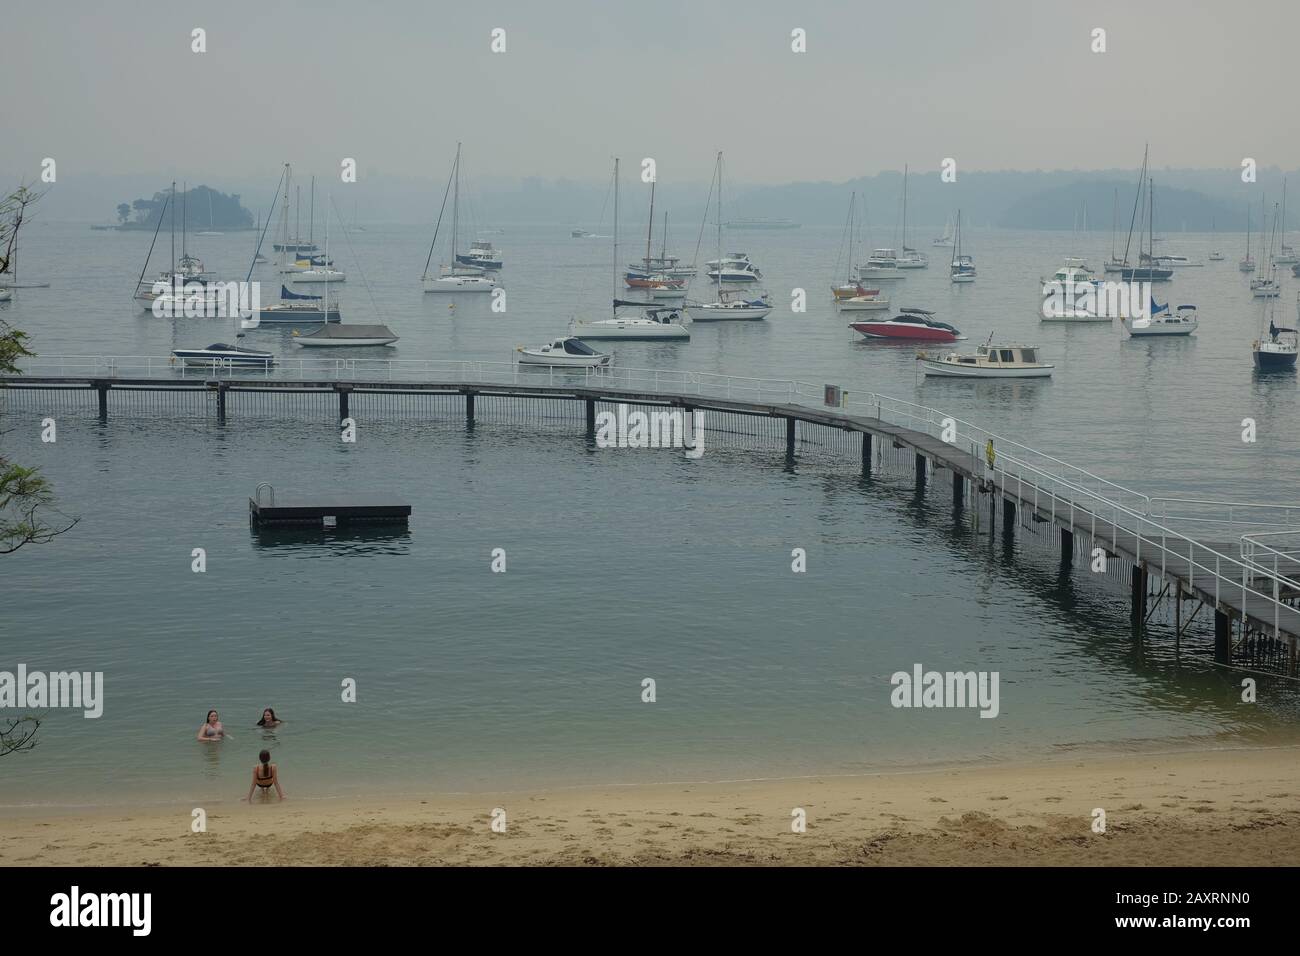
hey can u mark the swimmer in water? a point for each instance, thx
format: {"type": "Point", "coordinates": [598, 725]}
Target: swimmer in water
{"type": "Point", "coordinates": [269, 720]}
{"type": "Point", "coordinates": [212, 729]}
{"type": "Point", "coordinates": [265, 776]}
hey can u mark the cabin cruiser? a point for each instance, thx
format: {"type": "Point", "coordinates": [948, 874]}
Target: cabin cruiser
{"type": "Point", "coordinates": [1181, 321]}
{"type": "Point", "coordinates": [881, 265]}
{"type": "Point", "coordinates": [569, 351]}
{"type": "Point", "coordinates": [912, 324]}
{"type": "Point", "coordinates": [295, 245]}
{"type": "Point", "coordinates": [1265, 288]}
{"type": "Point", "coordinates": [1072, 294]}
{"type": "Point", "coordinates": [867, 300]}
{"type": "Point", "coordinates": [735, 267]}
{"type": "Point", "coordinates": [989, 361]}
{"type": "Point", "coordinates": [654, 325]}
{"type": "Point", "coordinates": [221, 355]}
{"type": "Point", "coordinates": [1277, 351]}
{"type": "Point", "coordinates": [730, 306]}
{"type": "Point", "coordinates": [911, 259]}
{"type": "Point", "coordinates": [350, 336]}
{"type": "Point", "coordinates": [481, 254]}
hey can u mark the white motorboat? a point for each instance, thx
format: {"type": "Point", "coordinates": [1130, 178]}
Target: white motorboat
{"type": "Point", "coordinates": [221, 355]}
{"type": "Point", "coordinates": [455, 278]}
{"type": "Point", "coordinates": [1215, 257]}
{"type": "Point", "coordinates": [989, 361]}
{"type": "Point", "coordinates": [656, 325]}
{"type": "Point", "coordinates": [730, 306]}
{"type": "Point", "coordinates": [736, 267]}
{"type": "Point", "coordinates": [1071, 294]}
{"type": "Point", "coordinates": [1265, 288]}
{"type": "Point", "coordinates": [881, 266]}
{"type": "Point", "coordinates": [481, 254]}
{"type": "Point", "coordinates": [867, 300]}
{"type": "Point", "coordinates": [346, 336]}
{"type": "Point", "coordinates": [569, 351]}
{"type": "Point", "coordinates": [1182, 321]}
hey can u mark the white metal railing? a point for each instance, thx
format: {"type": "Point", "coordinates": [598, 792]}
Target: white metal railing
{"type": "Point", "coordinates": [1048, 483]}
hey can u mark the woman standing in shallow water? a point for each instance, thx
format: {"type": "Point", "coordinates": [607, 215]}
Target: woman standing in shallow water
{"type": "Point", "coordinates": [212, 729]}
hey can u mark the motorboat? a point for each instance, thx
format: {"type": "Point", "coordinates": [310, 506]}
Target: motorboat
{"type": "Point", "coordinates": [661, 265]}
{"type": "Point", "coordinates": [730, 306]}
{"type": "Point", "coordinates": [655, 325]}
{"type": "Point", "coordinates": [1176, 262]}
{"type": "Point", "coordinates": [911, 259]}
{"type": "Point", "coordinates": [221, 355]}
{"type": "Point", "coordinates": [1072, 294]}
{"type": "Point", "coordinates": [735, 267]}
{"type": "Point", "coordinates": [346, 336]}
{"type": "Point", "coordinates": [481, 254]}
{"type": "Point", "coordinates": [911, 324]}
{"type": "Point", "coordinates": [989, 361]}
{"type": "Point", "coordinates": [1181, 321]}
{"type": "Point", "coordinates": [1265, 288]}
{"type": "Point", "coordinates": [5, 295]}
{"type": "Point", "coordinates": [581, 234]}
{"type": "Point", "coordinates": [869, 300]}
{"type": "Point", "coordinates": [881, 266]}
{"type": "Point", "coordinates": [568, 351]}
{"type": "Point", "coordinates": [1215, 257]}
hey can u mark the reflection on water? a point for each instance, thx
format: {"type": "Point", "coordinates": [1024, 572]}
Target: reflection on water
{"type": "Point", "coordinates": [356, 539]}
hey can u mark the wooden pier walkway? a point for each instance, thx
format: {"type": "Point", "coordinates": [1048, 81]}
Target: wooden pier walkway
{"type": "Point", "coordinates": [1248, 598]}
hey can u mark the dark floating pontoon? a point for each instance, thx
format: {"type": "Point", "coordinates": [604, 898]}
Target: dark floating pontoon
{"type": "Point", "coordinates": [333, 513]}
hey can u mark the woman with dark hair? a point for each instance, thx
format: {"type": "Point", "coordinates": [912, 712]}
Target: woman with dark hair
{"type": "Point", "coordinates": [265, 776]}
{"type": "Point", "coordinates": [269, 720]}
{"type": "Point", "coordinates": [212, 730]}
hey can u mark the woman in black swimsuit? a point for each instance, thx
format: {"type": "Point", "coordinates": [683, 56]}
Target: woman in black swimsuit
{"type": "Point", "coordinates": [265, 776]}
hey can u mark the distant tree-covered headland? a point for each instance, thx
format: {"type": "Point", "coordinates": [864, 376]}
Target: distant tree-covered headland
{"type": "Point", "coordinates": [200, 208]}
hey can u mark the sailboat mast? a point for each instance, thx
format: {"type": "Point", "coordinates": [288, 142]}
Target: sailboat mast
{"type": "Point", "coordinates": [455, 209]}
{"type": "Point", "coordinates": [173, 221]}
{"type": "Point", "coordinates": [185, 196]}
{"type": "Point", "coordinates": [663, 251]}
{"type": "Point", "coordinates": [1282, 224]}
{"type": "Point", "coordinates": [297, 215]}
{"type": "Point", "coordinates": [651, 226]}
{"type": "Point", "coordinates": [905, 207]}
{"type": "Point", "coordinates": [1114, 222]}
{"type": "Point", "coordinates": [616, 227]}
{"type": "Point", "coordinates": [853, 198]}
{"type": "Point", "coordinates": [719, 225]}
{"type": "Point", "coordinates": [311, 214]}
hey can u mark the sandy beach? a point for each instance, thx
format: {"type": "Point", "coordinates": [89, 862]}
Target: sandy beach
{"type": "Point", "coordinates": [1224, 807]}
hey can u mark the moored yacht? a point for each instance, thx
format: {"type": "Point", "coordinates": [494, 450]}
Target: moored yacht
{"type": "Point", "coordinates": [221, 355]}
{"type": "Point", "coordinates": [866, 300]}
{"type": "Point", "coordinates": [730, 306]}
{"type": "Point", "coordinates": [881, 266]}
{"type": "Point", "coordinates": [735, 267]}
{"type": "Point", "coordinates": [1161, 321]}
{"type": "Point", "coordinates": [346, 336]}
{"type": "Point", "coordinates": [1275, 351]}
{"type": "Point", "coordinates": [910, 324]}
{"type": "Point", "coordinates": [989, 361]}
{"type": "Point", "coordinates": [654, 325]}
{"type": "Point", "coordinates": [481, 255]}
{"type": "Point", "coordinates": [569, 351]}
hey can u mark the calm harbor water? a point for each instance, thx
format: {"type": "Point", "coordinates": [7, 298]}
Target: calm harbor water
{"type": "Point", "coordinates": [622, 565]}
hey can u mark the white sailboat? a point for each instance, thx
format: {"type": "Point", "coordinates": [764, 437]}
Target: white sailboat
{"type": "Point", "coordinates": [1267, 286]}
{"type": "Point", "coordinates": [454, 278]}
{"type": "Point", "coordinates": [910, 259]}
{"type": "Point", "coordinates": [1286, 255]}
{"type": "Point", "coordinates": [946, 238]}
{"type": "Point", "coordinates": [293, 308]}
{"type": "Point", "coordinates": [963, 267]}
{"type": "Point", "coordinates": [730, 304]}
{"type": "Point", "coordinates": [1247, 264]}
{"type": "Point", "coordinates": [654, 324]}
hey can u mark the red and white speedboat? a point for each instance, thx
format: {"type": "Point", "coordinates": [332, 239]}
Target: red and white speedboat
{"type": "Point", "coordinates": [914, 324]}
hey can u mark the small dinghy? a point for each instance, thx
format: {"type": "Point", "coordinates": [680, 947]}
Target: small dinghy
{"type": "Point", "coordinates": [569, 351]}
{"type": "Point", "coordinates": [346, 336]}
{"type": "Point", "coordinates": [221, 355]}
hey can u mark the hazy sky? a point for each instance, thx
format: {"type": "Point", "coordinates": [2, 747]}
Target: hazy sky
{"type": "Point", "coordinates": [113, 88]}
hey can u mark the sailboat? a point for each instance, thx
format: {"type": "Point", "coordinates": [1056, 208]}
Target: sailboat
{"type": "Point", "coordinates": [946, 238]}
{"type": "Point", "coordinates": [185, 286]}
{"type": "Point", "coordinates": [1216, 255]}
{"type": "Point", "coordinates": [910, 259]}
{"type": "Point", "coordinates": [454, 278]}
{"type": "Point", "coordinates": [321, 268]}
{"type": "Point", "coordinates": [1147, 268]}
{"type": "Point", "coordinates": [1114, 264]}
{"type": "Point", "coordinates": [292, 308]}
{"type": "Point", "coordinates": [654, 324]}
{"type": "Point", "coordinates": [852, 295]}
{"type": "Point", "coordinates": [297, 243]}
{"type": "Point", "coordinates": [211, 227]}
{"type": "Point", "coordinates": [963, 267]}
{"type": "Point", "coordinates": [1275, 349]}
{"type": "Point", "coordinates": [1247, 264]}
{"type": "Point", "coordinates": [730, 304]}
{"type": "Point", "coordinates": [1267, 287]}
{"type": "Point", "coordinates": [658, 284]}
{"type": "Point", "coordinates": [1286, 255]}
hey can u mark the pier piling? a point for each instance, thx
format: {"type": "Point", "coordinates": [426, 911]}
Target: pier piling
{"type": "Point", "coordinates": [1138, 591]}
{"type": "Point", "coordinates": [102, 388]}
{"type": "Point", "coordinates": [343, 391]}
{"type": "Point", "coordinates": [958, 490]}
{"type": "Point", "coordinates": [1222, 638]}
{"type": "Point", "coordinates": [920, 472]}
{"type": "Point", "coordinates": [591, 417]}
{"type": "Point", "coordinates": [469, 409]}
{"type": "Point", "coordinates": [866, 453]}
{"type": "Point", "coordinates": [1067, 547]}
{"type": "Point", "coordinates": [789, 438]}
{"type": "Point", "coordinates": [1008, 518]}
